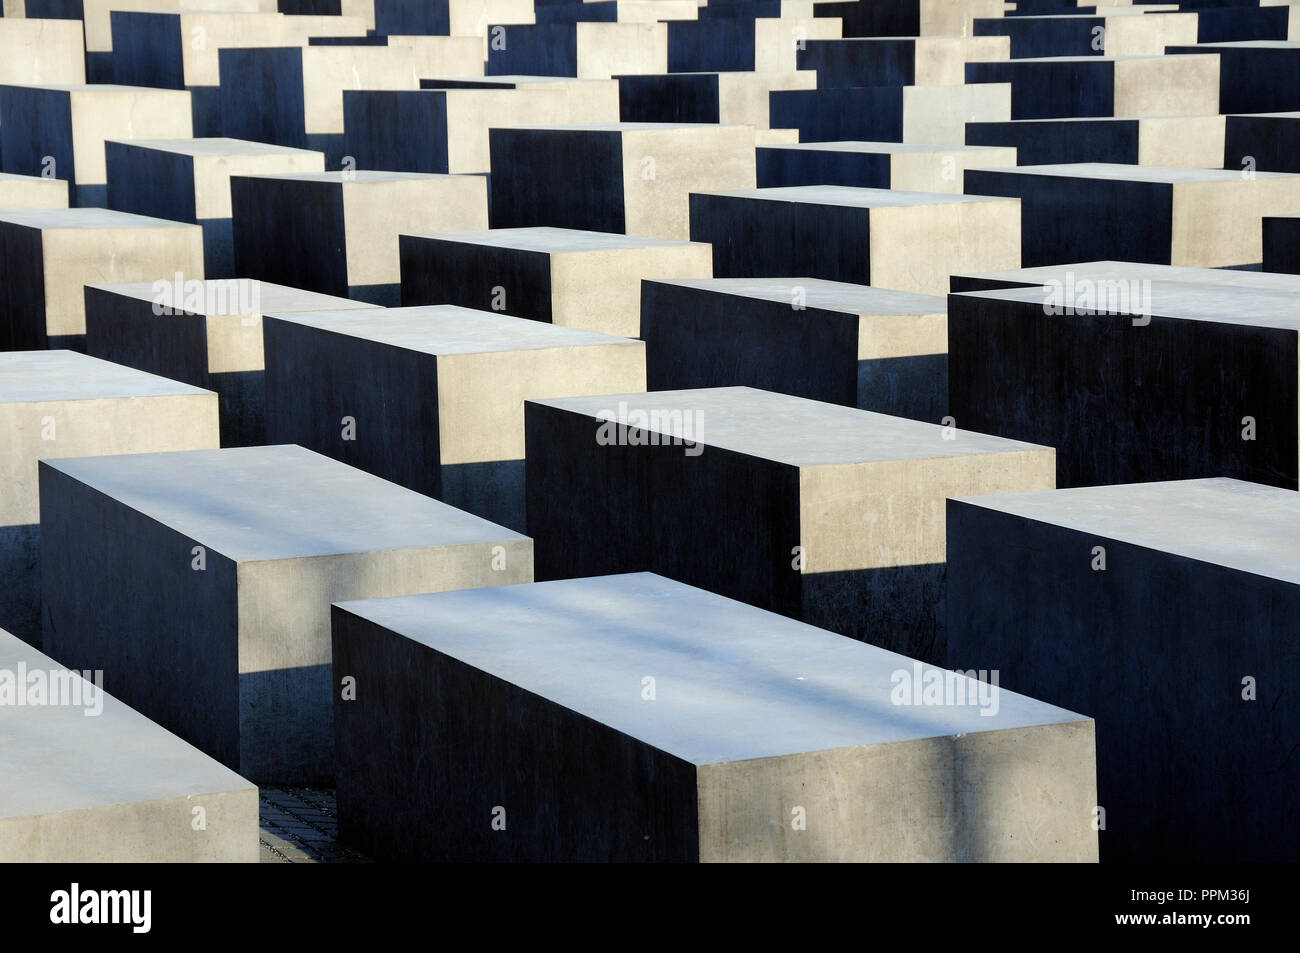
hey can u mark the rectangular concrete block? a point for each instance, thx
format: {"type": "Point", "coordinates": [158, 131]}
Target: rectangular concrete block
{"type": "Point", "coordinates": [89, 780]}
{"type": "Point", "coordinates": [1258, 76]}
{"type": "Point", "coordinates": [755, 721]}
{"type": "Point", "coordinates": [634, 178]}
{"type": "Point", "coordinates": [188, 180]}
{"type": "Point", "coordinates": [1133, 378]}
{"type": "Point", "coordinates": [1192, 142]}
{"type": "Point", "coordinates": [292, 96]}
{"type": "Point", "coordinates": [909, 167]}
{"type": "Point", "coordinates": [912, 17]}
{"type": "Point", "coordinates": [899, 61]}
{"type": "Point", "coordinates": [1132, 32]}
{"type": "Point", "coordinates": [568, 277]}
{"type": "Point", "coordinates": [1168, 216]}
{"type": "Point", "coordinates": [931, 115]}
{"type": "Point", "coordinates": [216, 569]}
{"type": "Point", "coordinates": [41, 51]}
{"type": "Point", "coordinates": [32, 191]}
{"type": "Point", "coordinates": [60, 130]}
{"type": "Point", "coordinates": [47, 256]}
{"type": "Point", "coordinates": [851, 502]}
{"type": "Point", "coordinates": [432, 398]}
{"type": "Point", "coordinates": [337, 232]}
{"type": "Point", "coordinates": [446, 130]}
{"type": "Point", "coordinates": [1060, 86]}
{"type": "Point", "coordinates": [863, 347]}
{"type": "Point", "coordinates": [910, 241]}
{"type": "Point", "coordinates": [728, 98]}
{"type": "Point", "coordinates": [63, 404]}
{"type": "Point", "coordinates": [1168, 611]}
{"type": "Point", "coordinates": [206, 333]}
{"type": "Point", "coordinates": [583, 50]}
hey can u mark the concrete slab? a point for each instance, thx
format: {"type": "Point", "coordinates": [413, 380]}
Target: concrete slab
{"type": "Point", "coordinates": [1098, 367]}
{"type": "Point", "coordinates": [32, 191]}
{"type": "Point", "coordinates": [728, 98]}
{"type": "Point", "coordinates": [910, 241]}
{"type": "Point", "coordinates": [188, 180]}
{"type": "Point", "coordinates": [899, 60]}
{"type": "Point", "coordinates": [584, 50]}
{"type": "Point", "coordinates": [1258, 76]}
{"type": "Point", "coordinates": [1192, 142]}
{"type": "Point", "coordinates": [92, 781]}
{"type": "Point", "coordinates": [634, 178]}
{"type": "Point", "coordinates": [446, 130]}
{"type": "Point", "coordinates": [337, 232]}
{"type": "Point", "coordinates": [633, 732]}
{"type": "Point", "coordinates": [577, 279]}
{"type": "Point", "coordinates": [60, 130]}
{"type": "Point", "coordinates": [1138, 585]}
{"type": "Point", "coordinates": [852, 531]}
{"type": "Point", "coordinates": [932, 115]}
{"type": "Point", "coordinates": [47, 256]}
{"type": "Point", "coordinates": [1282, 243]}
{"type": "Point", "coordinates": [910, 167]}
{"type": "Point", "coordinates": [206, 333]}
{"type": "Point", "coordinates": [63, 404]}
{"type": "Point", "coordinates": [1168, 216]}
{"type": "Point", "coordinates": [1269, 142]}
{"type": "Point", "coordinates": [217, 568]}
{"type": "Point", "coordinates": [41, 51]}
{"type": "Point", "coordinates": [438, 407]}
{"type": "Point", "coordinates": [1050, 87]}
{"type": "Point", "coordinates": [864, 347]}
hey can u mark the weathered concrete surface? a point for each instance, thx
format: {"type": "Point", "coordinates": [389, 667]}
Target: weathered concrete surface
{"type": "Point", "coordinates": [910, 241]}
{"type": "Point", "coordinates": [60, 130]}
{"type": "Point", "coordinates": [47, 256]}
{"type": "Point", "coordinates": [568, 277]}
{"type": "Point", "coordinates": [1133, 379]}
{"type": "Point", "coordinates": [96, 782]}
{"type": "Point", "coordinates": [1258, 76]}
{"type": "Point", "coordinates": [41, 51]}
{"type": "Point", "coordinates": [188, 180]}
{"type": "Point", "coordinates": [634, 178]}
{"type": "Point", "coordinates": [32, 191]}
{"type": "Point", "coordinates": [728, 98]}
{"type": "Point", "coordinates": [63, 404]}
{"type": "Point", "coordinates": [898, 60]}
{"type": "Point", "coordinates": [1130, 32]}
{"type": "Point", "coordinates": [200, 583]}
{"type": "Point", "coordinates": [337, 232]}
{"type": "Point", "coordinates": [910, 167]}
{"type": "Point", "coordinates": [851, 502]}
{"type": "Point", "coordinates": [1169, 216]}
{"type": "Point", "coordinates": [208, 334]}
{"type": "Point", "coordinates": [638, 719]}
{"type": "Point", "coordinates": [1181, 648]}
{"type": "Point", "coordinates": [1269, 142]}
{"type": "Point", "coordinates": [863, 347]}
{"type": "Point", "coordinates": [434, 396]}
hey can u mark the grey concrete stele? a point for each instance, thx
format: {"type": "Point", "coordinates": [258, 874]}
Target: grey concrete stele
{"type": "Point", "coordinates": [1168, 611]}
{"type": "Point", "coordinates": [910, 241]}
{"type": "Point", "coordinates": [206, 333]}
{"type": "Point", "coordinates": [632, 718]}
{"type": "Point", "coordinates": [200, 583]}
{"type": "Point", "coordinates": [579, 279]}
{"type": "Point", "coordinates": [47, 256]}
{"type": "Point", "coordinates": [432, 398]}
{"type": "Point", "coordinates": [863, 347]}
{"type": "Point", "coordinates": [89, 780]}
{"type": "Point", "coordinates": [63, 404]}
{"type": "Point", "coordinates": [823, 513]}
{"type": "Point", "coordinates": [1133, 372]}
{"type": "Point", "coordinates": [337, 232]}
